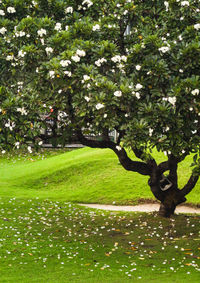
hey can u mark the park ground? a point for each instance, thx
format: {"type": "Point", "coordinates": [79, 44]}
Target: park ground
{"type": "Point", "coordinates": [45, 236]}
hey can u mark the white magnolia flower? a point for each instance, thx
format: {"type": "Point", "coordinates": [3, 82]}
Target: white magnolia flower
{"type": "Point", "coordinates": [118, 93]}
{"type": "Point", "coordinates": [116, 58]}
{"type": "Point", "coordinates": [9, 57]}
{"type": "Point", "coordinates": [3, 30]}
{"type": "Point", "coordinates": [124, 58]}
{"type": "Point", "coordinates": [65, 63]}
{"type": "Point", "coordinates": [100, 61]}
{"type": "Point", "coordinates": [185, 3]}
{"type": "Point", "coordinates": [40, 143]}
{"type": "Point", "coordinates": [20, 33]}
{"type": "Point", "coordinates": [87, 2]}
{"type": "Point", "coordinates": [195, 91]}
{"type": "Point", "coordinates": [2, 13]}
{"type": "Point", "coordinates": [138, 86]}
{"type": "Point", "coordinates": [87, 98]}
{"type": "Point", "coordinates": [66, 27]}
{"type": "Point", "coordinates": [58, 26]}
{"type": "Point", "coordinates": [3, 152]}
{"type": "Point", "coordinates": [166, 5]}
{"type": "Point", "coordinates": [69, 10]}
{"type": "Point", "coordinates": [150, 132]}
{"type": "Point", "coordinates": [76, 58]}
{"type": "Point", "coordinates": [41, 32]}
{"type": "Point", "coordinates": [49, 50]}
{"type": "Point", "coordinates": [99, 106]}
{"type": "Point", "coordinates": [137, 95]}
{"type": "Point", "coordinates": [80, 53]}
{"type": "Point", "coordinates": [17, 144]}
{"type": "Point", "coordinates": [197, 26]}
{"type": "Point", "coordinates": [118, 147]}
{"type": "Point", "coordinates": [22, 111]}
{"type": "Point", "coordinates": [138, 67]}
{"type": "Point", "coordinates": [11, 10]}
{"type": "Point", "coordinates": [68, 73]}
{"type": "Point", "coordinates": [164, 49]}
{"type": "Point", "coordinates": [96, 27]}
{"type": "Point", "coordinates": [172, 100]}
{"type": "Point", "coordinates": [29, 149]}
{"type": "Point", "coordinates": [86, 77]}
{"type": "Point", "coordinates": [52, 74]}
{"type": "Point", "coordinates": [21, 53]}
{"type": "Point", "coordinates": [105, 115]}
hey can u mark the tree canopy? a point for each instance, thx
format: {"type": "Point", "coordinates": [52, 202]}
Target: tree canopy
{"type": "Point", "coordinates": [132, 66]}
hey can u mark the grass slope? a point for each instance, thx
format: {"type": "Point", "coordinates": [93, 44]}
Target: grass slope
{"type": "Point", "coordinates": [84, 175]}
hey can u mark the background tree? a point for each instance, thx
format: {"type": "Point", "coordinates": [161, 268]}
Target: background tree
{"type": "Point", "coordinates": [77, 57]}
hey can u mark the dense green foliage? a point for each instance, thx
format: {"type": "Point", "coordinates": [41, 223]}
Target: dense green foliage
{"type": "Point", "coordinates": [99, 66]}
{"type": "Point", "coordinates": [144, 84]}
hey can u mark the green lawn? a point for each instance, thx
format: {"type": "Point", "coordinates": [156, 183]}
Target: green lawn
{"type": "Point", "coordinates": [49, 241]}
{"type": "Point", "coordinates": [44, 237]}
{"type": "Point", "coordinates": [84, 175]}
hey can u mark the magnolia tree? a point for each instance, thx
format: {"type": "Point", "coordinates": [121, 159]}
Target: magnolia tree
{"type": "Point", "coordinates": [132, 66]}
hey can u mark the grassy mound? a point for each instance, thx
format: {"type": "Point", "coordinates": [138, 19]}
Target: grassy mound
{"type": "Point", "coordinates": [85, 175]}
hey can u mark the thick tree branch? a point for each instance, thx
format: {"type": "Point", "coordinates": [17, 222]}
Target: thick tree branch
{"type": "Point", "coordinates": [126, 162]}
{"type": "Point", "coordinates": [190, 185]}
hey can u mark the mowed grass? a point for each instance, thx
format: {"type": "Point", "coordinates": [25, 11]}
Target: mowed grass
{"type": "Point", "coordinates": [85, 175]}
{"type": "Point", "coordinates": [44, 237]}
{"type": "Point", "coordinates": [51, 241]}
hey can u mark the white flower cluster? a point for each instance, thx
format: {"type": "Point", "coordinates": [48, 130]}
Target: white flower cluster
{"type": "Point", "coordinates": [164, 49]}
{"type": "Point", "coordinates": [118, 58]}
{"type": "Point", "coordinates": [118, 93]}
{"type": "Point", "coordinates": [88, 3]}
{"type": "Point", "coordinates": [42, 32]}
{"type": "Point", "coordinates": [52, 74]}
{"type": "Point", "coordinates": [185, 3]}
{"type": "Point", "coordinates": [10, 125]}
{"type": "Point", "coordinates": [2, 13]}
{"type": "Point", "coordinates": [10, 57]}
{"type": "Point", "coordinates": [21, 34]}
{"type": "Point", "coordinates": [100, 62]}
{"type": "Point", "coordinates": [49, 50]}
{"type": "Point", "coordinates": [22, 110]}
{"type": "Point", "coordinates": [11, 10]}
{"type": "Point", "coordinates": [197, 26]}
{"type": "Point", "coordinates": [150, 132]}
{"type": "Point", "coordinates": [138, 67]}
{"type": "Point", "coordinates": [96, 27]}
{"type": "Point", "coordinates": [166, 5]}
{"type": "Point", "coordinates": [195, 91]}
{"type": "Point", "coordinates": [68, 73]}
{"type": "Point", "coordinates": [171, 100]}
{"type": "Point", "coordinates": [3, 30]}
{"type": "Point", "coordinates": [58, 26]}
{"type": "Point", "coordinates": [69, 10]}
{"type": "Point", "coordinates": [137, 88]}
{"type": "Point", "coordinates": [85, 78]}
{"type": "Point", "coordinates": [87, 98]}
{"type": "Point", "coordinates": [65, 63]}
{"type": "Point", "coordinates": [21, 53]}
{"type": "Point", "coordinates": [79, 53]}
{"type": "Point", "coordinates": [99, 106]}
